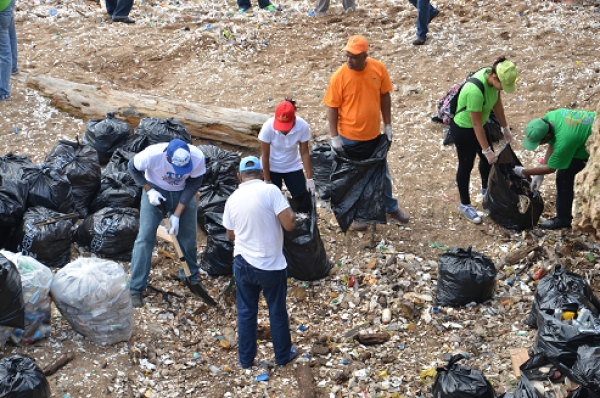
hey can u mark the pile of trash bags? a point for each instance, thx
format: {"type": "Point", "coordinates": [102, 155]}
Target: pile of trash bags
{"type": "Point", "coordinates": [92, 294]}
{"type": "Point", "coordinates": [20, 377]}
{"type": "Point", "coordinates": [106, 135]}
{"type": "Point", "coordinates": [12, 306]}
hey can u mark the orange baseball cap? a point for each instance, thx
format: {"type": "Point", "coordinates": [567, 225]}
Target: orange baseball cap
{"type": "Point", "coordinates": [356, 45]}
{"type": "Point", "coordinates": [285, 116]}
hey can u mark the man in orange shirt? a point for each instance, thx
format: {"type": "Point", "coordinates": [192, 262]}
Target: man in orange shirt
{"type": "Point", "coordinates": [357, 97]}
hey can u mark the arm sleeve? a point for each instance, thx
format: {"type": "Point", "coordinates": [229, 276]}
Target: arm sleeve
{"type": "Point", "coordinates": [227, 219]}
{"type": "Point", "coordinates": [333, 96]}
{"type": "Point", "coordinates": [192, 185]}
{"type": "Point", "coordinates": [279, 201]}
{"type": "Point", "coordinates": [386, 82]}
{"type": "Point", "coordinates": [265, 132]}
{"type": "Point", "coordinates": [138, 176]}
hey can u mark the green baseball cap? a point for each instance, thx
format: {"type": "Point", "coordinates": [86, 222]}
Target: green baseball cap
{"type": "Point", "coordinates": [535, 131]}
{"type": "Point", "coordinates": [507, 74]}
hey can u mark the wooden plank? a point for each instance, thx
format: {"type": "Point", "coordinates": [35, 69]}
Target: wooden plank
{"type": "Point", "coordinates": [518, 357]}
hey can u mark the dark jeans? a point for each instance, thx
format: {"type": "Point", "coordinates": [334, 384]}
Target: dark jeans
{"type": "Point", "coordinates": [426, 11]}
{"type": "Point", "coordinates": [467, 147]}
{"type": "Point", "coordinates": [294, 181]}
{"type": "Point", "coordinates": [119, 8]}
{"type": "Point", "coordinates": [250, 281]}
{"type": "Point", "coordinates": [246, 3]}
{"type": "Point", "coordinates": [565, 180]}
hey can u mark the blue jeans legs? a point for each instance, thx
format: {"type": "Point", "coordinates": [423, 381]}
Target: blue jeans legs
{"type": "Point", "coordinates": [249, 282]}
{"type": "Point", "coordinates": [7, 41]}
{"type": "Point", "coordinates": [246, 4]}
{"type": "Point", "coordinates": [426, 11]}
{"type": "Point", "coordinates": [150, 218]}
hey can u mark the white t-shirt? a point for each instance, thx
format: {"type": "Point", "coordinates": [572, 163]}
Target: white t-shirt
{"type": "Point", "coordinates": [251, 212]}
{"type": "Point", "coordinates": [285, 155]}
{"type": "Point", "coordinates": [160, 172]}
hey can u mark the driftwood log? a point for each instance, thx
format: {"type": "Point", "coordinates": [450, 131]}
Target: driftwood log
{"type": "Point", "coordinates": [231, 126]}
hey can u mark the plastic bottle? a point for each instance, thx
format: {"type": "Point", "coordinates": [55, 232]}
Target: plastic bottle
{"type": "Point", "coordinates": [53, 12]}
{"type": "Point", "coordinates": [386, 316]}
{"type": "Point", "coordinates": [584, 317]}
{"type": "Point", "coordinates": [558, 314]}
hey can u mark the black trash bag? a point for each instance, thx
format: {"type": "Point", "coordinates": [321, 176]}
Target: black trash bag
{"type": "Point", "coordinates": [303, 248]}
{"type": "Point", "coordinates": [110, 232]}
{"type": "Point", "coordinates": [48, 187]}
{"type": "Point", "coordinates": [559, 341]}
{"type": "Point", "coordinates": [50, 244]}
{"type": "Point", "coordinates": [456, 381]}
{"type": "Point", "coordinates": [464, 276]}
{"type": "Point", "coordinates": [586, 370]}
{"type": "Point", "coordinates": [12, 165]}
{"type": "Point", "coordinates": [20, 377]}
{"type": "Point", "coordinates": [219, 181]}
{"type": "Point", "coordinates": [562, 289]}
{"type": "Point", "coordinates": [80, 163]}
{"type": "Point", "coordinates": [583, 392]}
{"type": "Point", "coordinates": [136, 143]}
{"type": "Point", "coordinates": [106, 135]}
{"type": "Point", "coordinates": [529, 371]}
{"type": "Point", "coordinates": [117, 190]}
{"type": "Point", "coordinates": [162, 130]}
{"type": "Point", "coordinates": [357, 183]}
{"type": "Point", "coordinates": [217, 258]}
{"type": "Point", "coordinates": [321, 159]}
{"type": "Point", "coordinates": [13, 201]}
{"type": "Point", "coordinates": [492, 129]}
{"type": "Point", "coordinates": [12, 307]}
{"type": "Point", "coordinates": [118, 162]}
{"type": "Point", "coordinates": [509, 200]}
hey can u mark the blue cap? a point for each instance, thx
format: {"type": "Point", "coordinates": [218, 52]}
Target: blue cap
{"type": "Point", "coordinates": [250, 163]}
{"type": "Point", "coordinates": [179, 155]}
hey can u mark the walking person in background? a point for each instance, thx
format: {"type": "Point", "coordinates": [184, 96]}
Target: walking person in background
{"type": "Point", "coordinates": [118, 10]}
{"type": "Point", "coordinates": [244, 6]}
{"type": "Point", "coordinates": [8, 47]}
{"type": "Point", "coordinates": [473, 109]}
{"type": "Point", "coordinates": [253, 217]}
{"type": "Point", "coordinates": [284, 148]}
{"type": "Point", "coordinates": [323, 6]}
{"type": "Point", "coordinates": [426, 13]}
{"type": "Point", "coordinates": [170, 173]}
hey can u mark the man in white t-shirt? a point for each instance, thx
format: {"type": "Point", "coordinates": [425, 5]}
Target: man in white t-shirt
{"type": "Point", "coordinates": [284, 150]}
{"type": "Point", "coordinates": [253, 217]}
{"type": "Point", "coordinates": [170, 173]}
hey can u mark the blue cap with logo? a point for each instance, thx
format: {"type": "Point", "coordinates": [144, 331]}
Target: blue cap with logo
{"type": "Point", "coordinates": [250, 163]}
{"type": "Point", "coordinates": [179, 155]}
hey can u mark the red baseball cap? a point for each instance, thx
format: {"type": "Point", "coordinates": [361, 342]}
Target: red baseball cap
{"type": "Point", "coordinates": [285, 116]}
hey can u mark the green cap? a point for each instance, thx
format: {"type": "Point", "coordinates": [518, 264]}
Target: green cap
{"type": "Point", "coordinates": [535, 131]}
{"type": "Point", "coordinates": [507, 74]}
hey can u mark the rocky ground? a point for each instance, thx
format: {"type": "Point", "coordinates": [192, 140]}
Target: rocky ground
{"type": "Point", "coordinates": [207, 53]}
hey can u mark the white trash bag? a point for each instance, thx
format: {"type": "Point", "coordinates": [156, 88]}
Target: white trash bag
{"type": "Point", "coordinates": [92, 294]}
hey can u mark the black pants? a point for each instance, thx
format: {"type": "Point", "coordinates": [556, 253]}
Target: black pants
{"type": "Point", "coordinates": [294, 181]}
{"type": "Point", "coordinates": [565, 181]}
{"type": "Point", "coordinates": [467, 147]}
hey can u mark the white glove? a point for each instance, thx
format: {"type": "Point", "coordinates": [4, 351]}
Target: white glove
{"type": "Point", "coordinates": [519, 171]}
{"type": "Point", "coordinates": [154, 197]}
{"type": "Point", "coordinates": [490, 155]}
{"type": "Point", "coordinates": [336, 143]}
{"type": "Point", "coordinates": [174, 222]}
{"type": "Point", "coordinates": [507, 134]}
{"type": "Point", "coordinates": [388, 131]}
{"type": "Point", "coordinates": [536, 182]}
{"type": "Point", "coordinates": [310, 186]}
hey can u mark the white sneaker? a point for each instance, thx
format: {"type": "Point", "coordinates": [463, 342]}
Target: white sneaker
{"type": "Point", "coordinates": [470, 212]}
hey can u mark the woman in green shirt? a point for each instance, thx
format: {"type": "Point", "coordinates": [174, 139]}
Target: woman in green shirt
{"type": "Point", "coordinates": [474, 107]}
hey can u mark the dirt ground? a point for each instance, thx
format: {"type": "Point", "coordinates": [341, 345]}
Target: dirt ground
{"type": "Point", "coordinates": [203, 52]}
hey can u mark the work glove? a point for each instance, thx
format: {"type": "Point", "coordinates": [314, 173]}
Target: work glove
{"type": "Point", "coordinates": [310, 186]}
{"type": "Point", "coordinates": [490, 155]}
{"type": "Point", "coordinates": [174, 222]}
{"type": "Point", "coordinates": [507, 134]}
{"type": "Point", "coordinates": [336, 143]}
{"type": "Point", "coordinates": [519, 171]}
{"type": "Point", "coordinates": [536, 182]}
{"type": "Point", "coordinates": [388, 131]}
{"type": "Point", "coordinates": [154, 197]}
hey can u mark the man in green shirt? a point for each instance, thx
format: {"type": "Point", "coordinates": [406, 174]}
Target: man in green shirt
{"type": "Point", "coordinates": [566, 132]}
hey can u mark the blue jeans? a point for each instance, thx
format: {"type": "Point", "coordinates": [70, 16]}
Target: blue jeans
{"type": "Point", "coordinates": [249, 282]}
{"type": "Point", "coordinates": [150, 218]}
{"type": "Point", "coordinates": [246, 3]}
{"type": "Point", "coordinates": [391, 203]}
{"type": "Point", "coordinates": [294, 181]}
{"type": "Point", "coordinates": [8, 55]}
{"type": "Point", "coordinates": [118, 8]}
{"type": "Point", "coordinates": [426, 11]}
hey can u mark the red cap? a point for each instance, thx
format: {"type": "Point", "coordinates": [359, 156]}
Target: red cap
{"type": "Point", "coordinates": [285, 116]}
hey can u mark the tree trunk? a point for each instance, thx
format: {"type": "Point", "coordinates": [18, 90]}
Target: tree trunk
{"type": "Point", "coordinates": [232, 126]}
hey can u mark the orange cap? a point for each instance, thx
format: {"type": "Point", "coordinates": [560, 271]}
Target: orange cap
{"type": "Point", "coordinates": [356, 45]}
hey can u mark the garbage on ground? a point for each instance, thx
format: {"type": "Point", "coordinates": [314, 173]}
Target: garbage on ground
{"type": "Point", "coordinates": [12, 165]}
{"type": "Point", "coordinates": [110, 232]}
{"type": "Point", "coordinates": [49, 187]}
{"type": "Point", "coordinates": [302, 247]}
{"type": "Point", "coordinates": [45, 235]}
{"type": "Point", "coordinates": [321, 159]}
{"type": "Point", "coordinates": [93, 296]}
{"type": "Point", "coordinates": [80, 164]}
{"type": "Point", "coordinates": [464, 276]}
{"type": "Point", "coordinates": [12, 307]}
{"type": "Point", "coordinates": [586, 370]}
{"type": "Point", "coordinates": [36, 280]}
{"type": "Point", "coordinates": [106, 135]}
{"type": "Point", "coordinates": [20, 377]}
{"type": "Point", "coordinates": [509, 200]}
{"type": "Point", "coordinates": [457, 381]}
